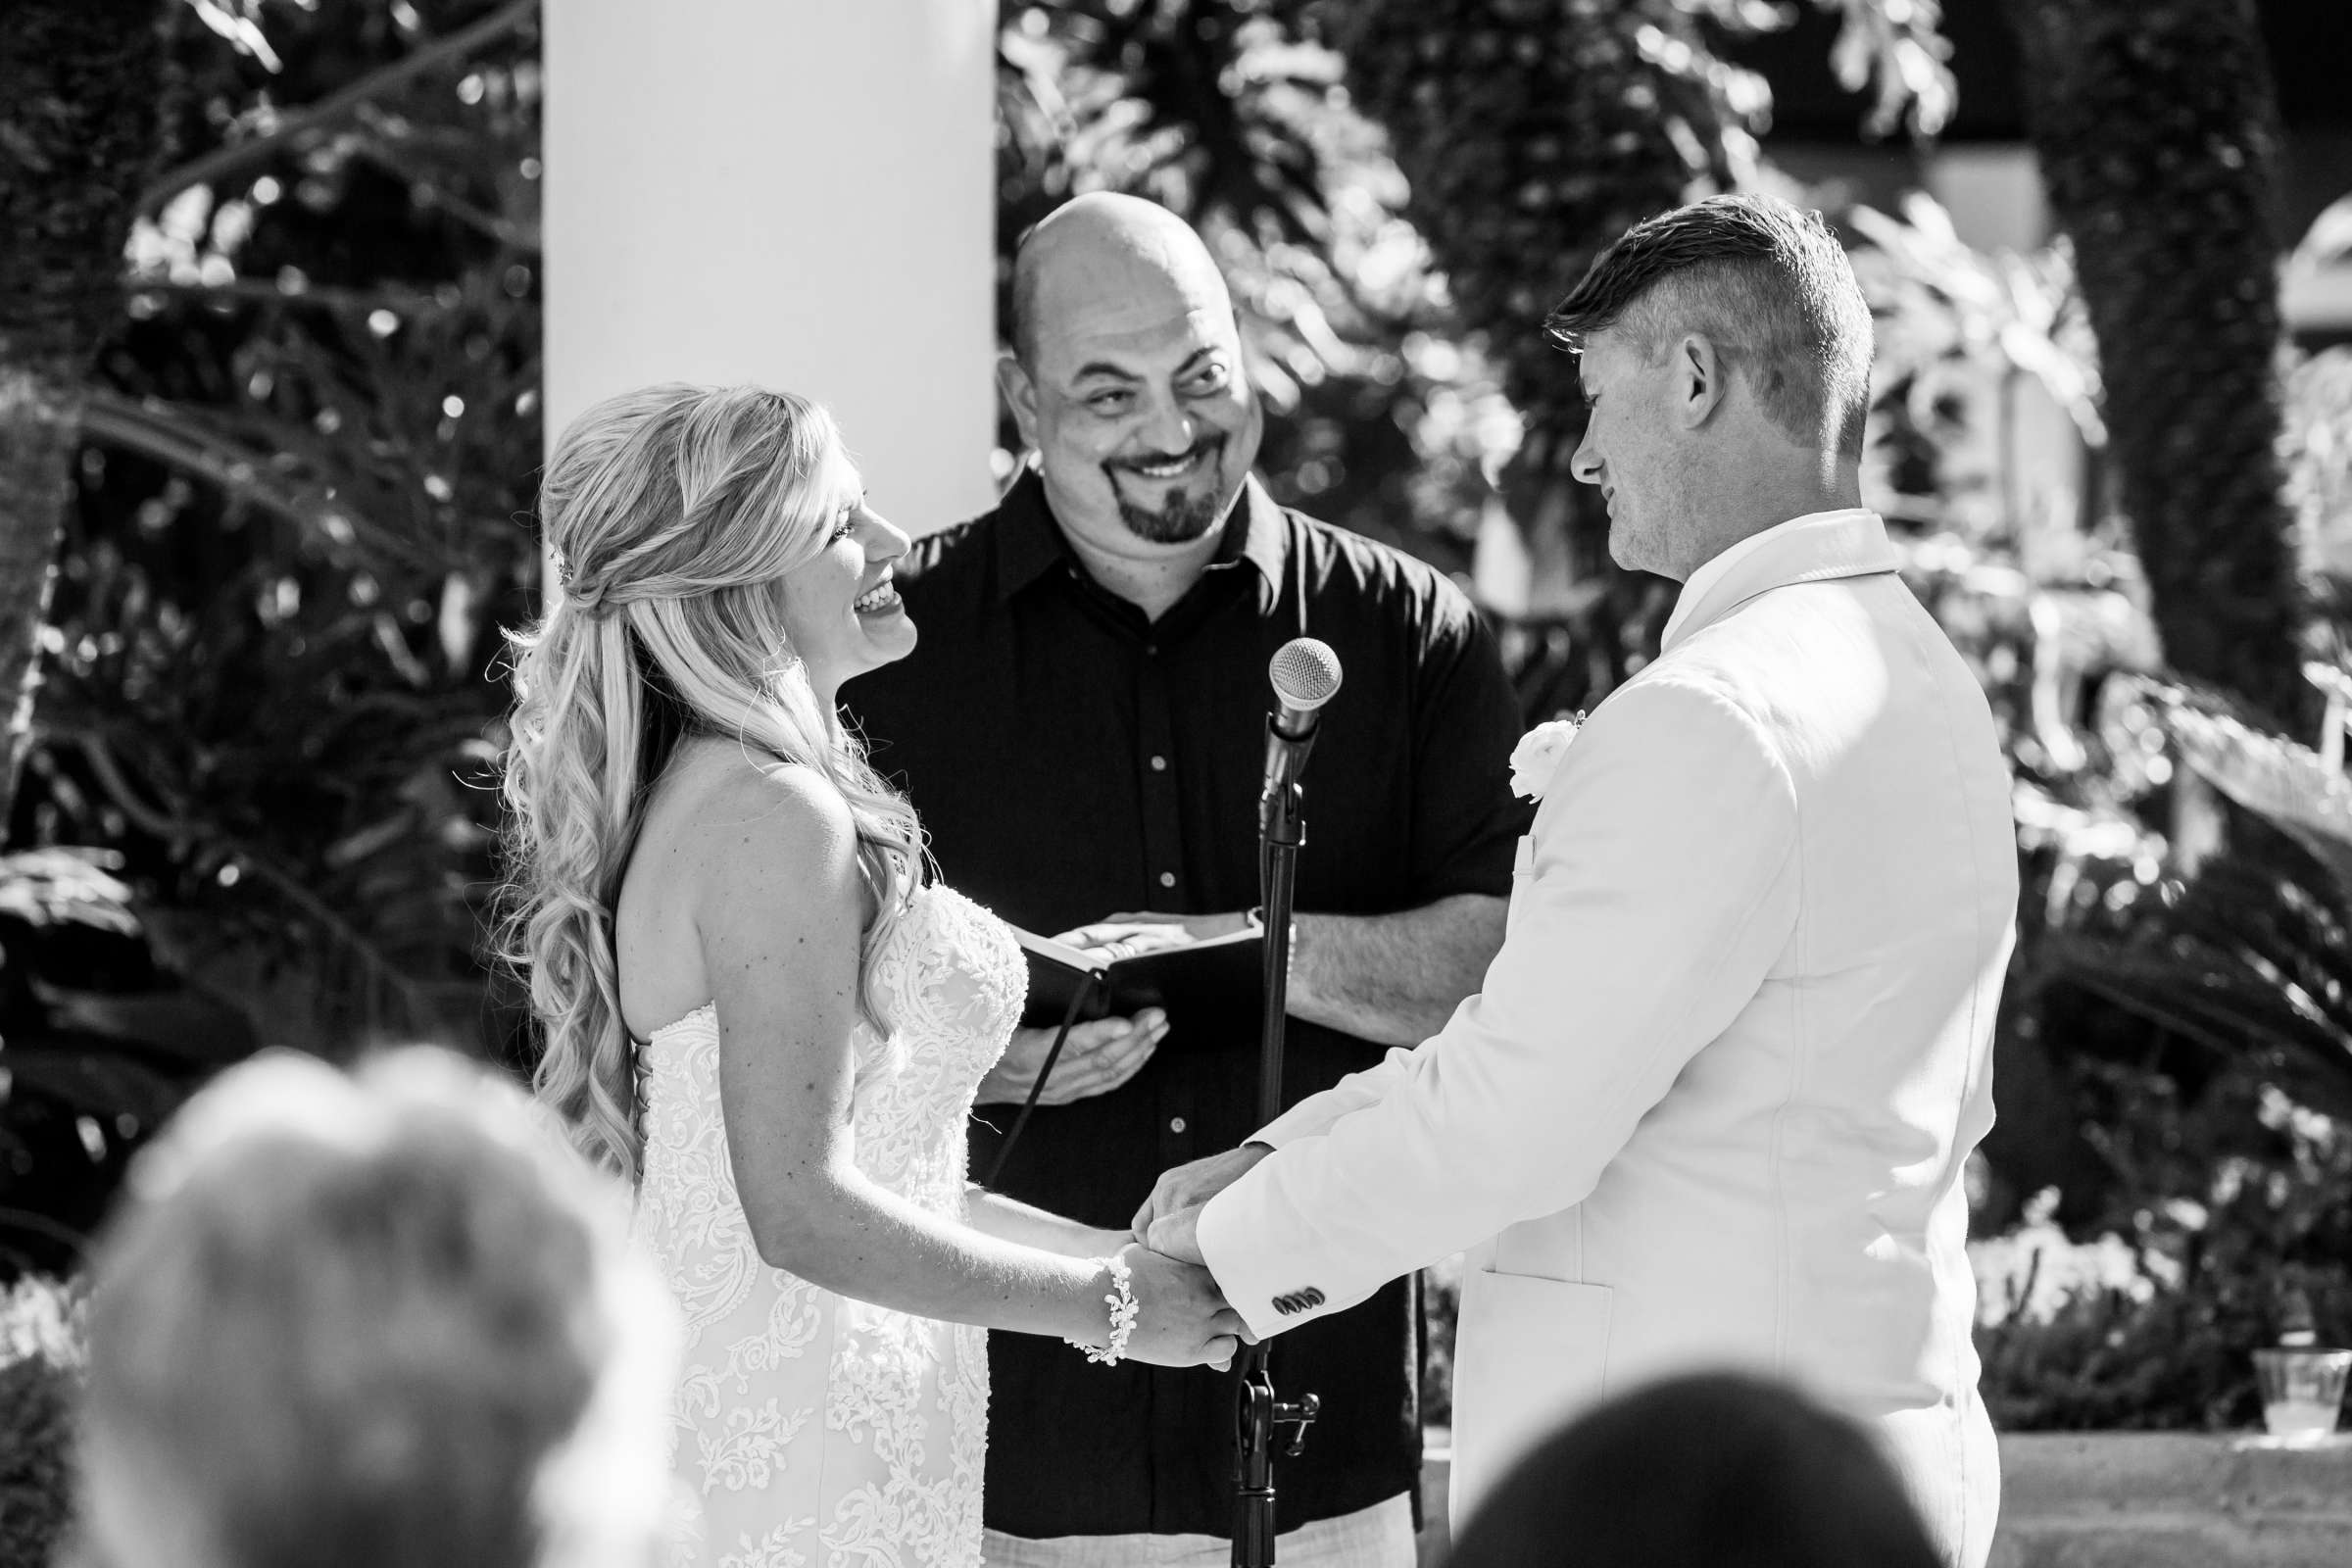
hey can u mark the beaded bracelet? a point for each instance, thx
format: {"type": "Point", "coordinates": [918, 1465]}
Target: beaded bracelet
{"type": "Point", "coordinates": [1123, 1313]}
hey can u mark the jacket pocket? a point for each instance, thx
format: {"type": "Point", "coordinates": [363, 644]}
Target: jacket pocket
{"type": "Point", "coordinates": [1529, 1356]}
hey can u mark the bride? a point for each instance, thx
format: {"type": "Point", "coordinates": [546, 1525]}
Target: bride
{"type": "Point", "coordinates": [757, 1008]}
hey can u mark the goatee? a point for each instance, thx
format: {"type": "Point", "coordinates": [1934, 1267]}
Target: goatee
{"type": "Point", "coordinates": [1180, 517]}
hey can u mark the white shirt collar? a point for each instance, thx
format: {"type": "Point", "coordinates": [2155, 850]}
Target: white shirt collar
{"type": "Point", "coordinates": [1711, 573]}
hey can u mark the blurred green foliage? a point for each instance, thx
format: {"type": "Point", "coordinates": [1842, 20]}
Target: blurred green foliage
{"type": "Point", "coordinates": [2173, 1060]}
{"type": "Point", "coordinates": [301, 514]}
{"type": "Point", "coordinates": [2187, 996]}
{"type": "Point", "coordinates": [2231, 1202]}
{"type": "Point", "coordinates": [2156, 132]}
{"type": "Point", "coordinates": [41, 1353]}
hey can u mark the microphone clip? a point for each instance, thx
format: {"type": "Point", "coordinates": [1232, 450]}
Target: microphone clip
{"type": "Point", "coordinates": [1287, 749]}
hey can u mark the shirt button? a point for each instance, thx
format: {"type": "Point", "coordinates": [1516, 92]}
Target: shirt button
{"type": "Point", "coordinates": [1159, 764]}
{"type": "Point", "coordinates": [1175, 1124]}
{"type": "Point", "coordinates": [1151, 650]}
{"type": "Point", "coordinates": [1167, 879]}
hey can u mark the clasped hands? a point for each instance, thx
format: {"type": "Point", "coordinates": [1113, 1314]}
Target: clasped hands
{"type": "Point", "coordinates": [1169, 1222]}
{"type": "Point", "coordinates": [1195, 1323]}
{"type": "Point", "coordinates": [1170, 1218]}
{"type": "Point", "coordinates": [1165, 1255]}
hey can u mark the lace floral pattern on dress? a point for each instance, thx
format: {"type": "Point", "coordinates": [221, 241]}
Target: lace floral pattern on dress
{"type": "Point", "coordinates": [812, 1429]}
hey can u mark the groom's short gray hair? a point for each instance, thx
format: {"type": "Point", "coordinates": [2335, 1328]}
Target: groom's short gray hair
{"type": "Point", "coordinates": [1768, 284]}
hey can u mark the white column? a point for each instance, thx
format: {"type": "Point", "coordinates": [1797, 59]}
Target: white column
{"type": "Point", "coordinates": [799, 193]}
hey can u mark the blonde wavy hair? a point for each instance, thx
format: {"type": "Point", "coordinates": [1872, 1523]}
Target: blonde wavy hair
{"type": "Point", "coordinates": [674, 514]}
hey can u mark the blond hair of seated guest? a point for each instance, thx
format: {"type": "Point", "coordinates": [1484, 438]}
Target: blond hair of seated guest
{"type": "Point", "coordinates": [381, 1320]}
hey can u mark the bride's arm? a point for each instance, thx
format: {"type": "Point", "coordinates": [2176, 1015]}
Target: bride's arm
{"type": "Point", "coordinates": [778, 914]}
{"type": "Point", "coordinates": [1009, 1220]}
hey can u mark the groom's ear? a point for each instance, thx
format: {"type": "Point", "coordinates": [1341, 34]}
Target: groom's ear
{"type": "Point", "coordinates": [1020, 394]}
{"type": "Point", "coordinates": [1701, 379]}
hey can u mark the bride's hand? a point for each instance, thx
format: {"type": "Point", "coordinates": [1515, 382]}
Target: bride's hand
{"type": "Point", "coordinates": [1180, 1317]}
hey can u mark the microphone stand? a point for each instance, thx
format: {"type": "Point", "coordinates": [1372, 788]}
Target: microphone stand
{"type": "Point", "coordinates": [1256, 1411]}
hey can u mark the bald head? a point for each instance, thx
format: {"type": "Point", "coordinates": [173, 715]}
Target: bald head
{"type": "Point", "coordinates": [1099, 257]}
{"type": "Point", "coordinates": [1126, 378]}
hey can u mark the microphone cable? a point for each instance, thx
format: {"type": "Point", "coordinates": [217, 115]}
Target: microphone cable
{"type": "Point", "coordinates": [1070, 1020]}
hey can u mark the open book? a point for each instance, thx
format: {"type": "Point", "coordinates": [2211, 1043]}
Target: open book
{"type": "Point", "coordinates": [1216, 977]}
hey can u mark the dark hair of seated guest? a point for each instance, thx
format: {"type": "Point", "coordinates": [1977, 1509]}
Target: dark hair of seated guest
{"type": "Point", "coordinates": [1710, 1471]}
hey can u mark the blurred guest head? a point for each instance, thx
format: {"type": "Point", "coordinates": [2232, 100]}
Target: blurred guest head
{"type": "Point", "coordinates": [1724, 349]}
{"type": "Point", "coordinates": [723, 576]}
{"type": "Point", "coordinates": [1126, 375]}
{"type": "Point", "coordinates": [380, 1321]}
{"type": "Point", "coordinates": [1717, 1471]}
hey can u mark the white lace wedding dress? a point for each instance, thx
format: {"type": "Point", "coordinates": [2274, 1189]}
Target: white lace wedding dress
{"type": "Point", "coordinates": [812, 1429]}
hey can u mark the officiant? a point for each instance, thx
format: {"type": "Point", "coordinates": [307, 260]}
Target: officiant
{"type": "Point", "coordinates": [1082, 727]}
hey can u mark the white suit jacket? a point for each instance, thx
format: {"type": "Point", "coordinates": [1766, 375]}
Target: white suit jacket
{"type": "Point", "coordinates": [1711, 1105]}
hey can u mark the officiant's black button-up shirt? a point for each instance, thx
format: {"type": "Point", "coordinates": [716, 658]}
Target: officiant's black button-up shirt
{"type": "Point", "coordinates": [1072, 759]}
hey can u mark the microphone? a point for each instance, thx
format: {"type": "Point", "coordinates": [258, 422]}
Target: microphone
{"type": "Point", "coordinates": [1306, 674]}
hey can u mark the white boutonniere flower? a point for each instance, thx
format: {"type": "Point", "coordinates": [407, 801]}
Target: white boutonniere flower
{"type": "Point", "coordinates": [1538, 755]}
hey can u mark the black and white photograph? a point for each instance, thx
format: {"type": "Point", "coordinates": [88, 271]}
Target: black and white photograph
{"type": "Point", "coordinates": [1175, 783]}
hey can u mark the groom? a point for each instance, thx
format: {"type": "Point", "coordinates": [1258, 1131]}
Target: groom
{"type": "Point", "coordinates": [1712, 1103]}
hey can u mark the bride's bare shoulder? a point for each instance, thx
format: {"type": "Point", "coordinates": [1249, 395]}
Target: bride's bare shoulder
{"type": "Point", "coordinates": [733, 855]}
{"type": "Point", "coordinates": [733, 809]}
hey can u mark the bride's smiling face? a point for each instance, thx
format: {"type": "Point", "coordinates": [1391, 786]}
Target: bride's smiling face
{"type": "Point", "coordinates": [841, 611]}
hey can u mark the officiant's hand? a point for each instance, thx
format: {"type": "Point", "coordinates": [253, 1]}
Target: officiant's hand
{"type": "Point", "coordinates": [1191, 1186]}
{"type": "Point", "coordinates": [1097, 1057]}
{"type": "Point", "coordinates": [1180, 1317]}
{"type": "Point", "coordinates": [1138, 931]}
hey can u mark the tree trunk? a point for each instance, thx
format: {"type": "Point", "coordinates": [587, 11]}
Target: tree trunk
{"type": "Point", "coordinates": [2157, 130]}
{"type": "Point", "coordinates": [80, 89]}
